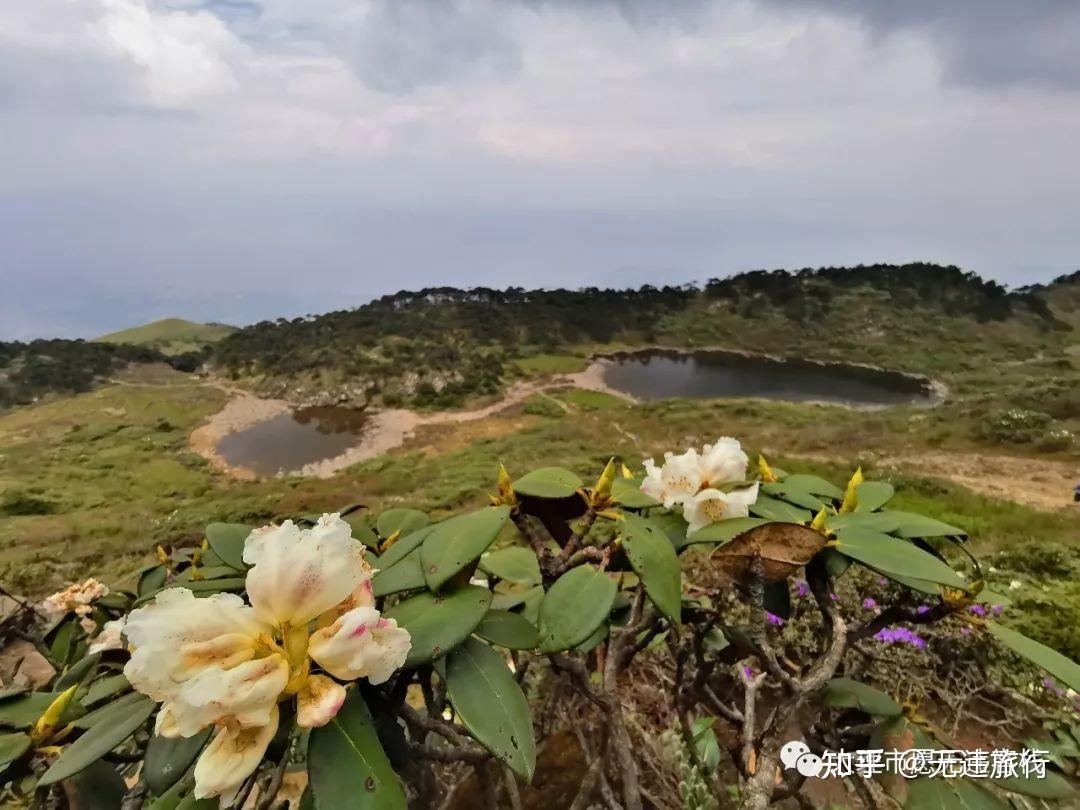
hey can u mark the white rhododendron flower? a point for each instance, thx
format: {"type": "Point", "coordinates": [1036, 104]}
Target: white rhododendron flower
{"type": "Point", "coordinates": [111, 636]}
{"type": "Point", "coordinates": [220, 662]}
{"type": "Point", "coordinates": [712, 505]}
{"type": "Point", "coordinates": [677, 480]}
{"type": "Point", "coordinates": [723, 463]}
{"type": "Point", "coordinates": [696, 481]}
{"type": "Point", "coordinates": [76, 598]}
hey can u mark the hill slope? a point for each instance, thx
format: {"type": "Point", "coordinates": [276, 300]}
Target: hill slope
{"type": "Point", "coordinates": [170, 335]}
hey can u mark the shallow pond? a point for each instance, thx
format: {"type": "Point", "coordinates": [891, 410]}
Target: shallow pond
{"type": "Point", "coordinates": [658, 374]}
{"type": "Point", "coordinates": [291, 440]}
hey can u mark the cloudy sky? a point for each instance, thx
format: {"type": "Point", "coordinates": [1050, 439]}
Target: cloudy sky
{"type": "Point", "coordinates": [239, 159]}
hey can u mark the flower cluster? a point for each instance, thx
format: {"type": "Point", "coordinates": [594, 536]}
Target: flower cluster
{"type": "Point", "coordinates": [901, 635]}
{"type": "Point", "coordinates": [77, 598]}
{"type": "Point", "coordinates": [699, 482]}
{"type": "Point", "coordinates": [220, 662]}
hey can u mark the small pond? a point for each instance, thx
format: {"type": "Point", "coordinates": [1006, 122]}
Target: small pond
{"type": "Point", "coordinates": [657, 374]}
{"type": "Point", "coordinates": [291, 440]}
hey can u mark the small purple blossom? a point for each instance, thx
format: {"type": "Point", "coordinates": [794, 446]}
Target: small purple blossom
{"type": "Point", "coordinates": [901, 635]}
{"type": "Point", "coordinates": [801, 588]}
{"type": "Point", "coordinates": [1051, 686]}
{"type": "Point", "coordinates": [965, 631]}
{"type": "Point", "coordinates": [833, 596]}
{"type": "Point", "coordinates": [748, 672]}
{"type": "Point", "coordinates": [882, 581]}
{"type": "Point", "coordinates": [997, 610]}
{"type": "Point", "coordinates": [773, 619]}
{"type": "Point", "coordinates": [922, 610]}
{"type": "Point", "coordinates": [869, 604]}
{"type": "Point", "coordinates": [978, 610]}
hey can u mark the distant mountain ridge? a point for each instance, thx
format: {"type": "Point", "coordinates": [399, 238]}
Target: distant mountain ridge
{"type": "Point", "coordinates": [170, 335]}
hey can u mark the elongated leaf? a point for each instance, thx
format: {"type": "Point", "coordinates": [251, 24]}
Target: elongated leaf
{"type": "Point", "coordinates": [593, 641]}
{"type": "Point", "coordinates": [347, 766]}
{"type": "Point", "coordinates": [574, 607]}
{"type": "Point", "coordinates": [1065, 670]}
{"type": "Point", "coordinates": [401, 520]}
{"type": "Point", "coordinates": [12, 746]}
{"type": "Point", "coordinates": [892, 556]}
{"type": "Point", "coordinates": [109, 711]}
{"type": "Point", "coordinates": [106, 688]}
{"type": "Point", "coordinates": [1049, 786]}
{"type": "Point", "coordinates": [725, 530]}
{"type": "Point", "coordinates": [780, 511]}
{"type": "Point", "coordinates": [227, 540]}
{"type": "Point", "coordinates": [206, 587]}
{"type": "Point", "coordinates": [78, 672]}
{"type": "Point", "coordinates": [99, 786]}
{"type": "Point", "coordinates": [548, 482]}
{"type": "Point", "coordinates": [852, 694]}
{"type": "Point", "coordinates": [814, 485]}
{"type": "Point", "coordinates": [437, 624]}
{"type": "Point", "coordinates": [872, 495]}
{"type": "Point", "coordinates": [151, 580]}
{"type": "Point", "coordinates": [909, 524]}
{"type": "Point", "coordinates": [456, 542]}
{"type": "Point", "coordinates": [361, 529]}
{"type": "Point", "coordinates": [405, 575]}
{"type": "Point", "coordinates": [674, 526]}
{"type": "Point", "coordinates": [490, 703]}
{"type": "Point", "coordinates": [99, 740]}
{"type": "Point", "coordinates": [509, 597]}
{"type": "Point", "coordinates": [403, 547]}
{"type": "Point", "coordinates": [168, 759]}
{"type": "Point", "coordinates": [793, 494]}
{"type": "Point", "coordinates": [656, 563]}
{"type": "Point", "coordinates": [627, 492]}
{"type": "Point", "coordinates": [24, 710]}
{"type": "Point", "coordinates": [510, 630]}
{"type": "Point", "coordinates": [514, 564]}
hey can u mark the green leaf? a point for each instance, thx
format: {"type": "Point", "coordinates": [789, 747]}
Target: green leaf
{"type": "Point", "coordinates": [925, 793]}
{"type": "Point", "coordinates": [814, 485]}
{"type": "Point", "coordinates": [151, 580]}
{"type": "Point", "coordinates": [876, 521]}
{"type": "Point", "coordinates": [347, 765]}
{"type": "Point", "coordinates": [109, 711]}
{"type": "Point", "coordinates": [844, 692]}
{"type": "Point", "coordinates": [548, 482]}
{"type": "Point", "coordinates": [778, 511]}
{"type": "Point", "coordinates": [574, 607]}
{"type": "Point", "coordinates": [593, 641]}
{"type": "Point", "coordinates": [1050, 786]}
{"type": "Point", "coordinates": [674, 526]}
{"type": "Point", "coordinates": [361, 530]}
{"type": "Point", "coordinates": [909, 524]}
{"type": "Point", "coordinates": [656, 563]}
{"type": "Point", "coordinates": [405, 575]}
{"type": "Point", "coordinates": [513, 564]}
{"type": "Point", "coordinates": [456, 542]}
{"type": "Point", "coordinates": [510, 630]}
{"type": "Point", "coordinates": [23, 711]}
{"type": "Point", "coordinates": [202, 587]}
{"type": "Point", "coordinates": [99, 786]}
{"type": "Point", "coordinates": [106, 688]}
{"type": "Point", "coordinates": [1062, 668]}
{"type": "Point", "coordinates": [401, 520]}
{"type": "Point", "coordinates": [490, 703]}
{"type": "Point", "coordinates": [793, 494]}
{"type": "Point", "coordinates": [227, 540]}
{"type": "Point", "coordinates": [891, 556]}
{"type": "Point", "coordinates": [99, 740]}
{"type": "Point", "coordinates": [167, 759]}
{"type": "Point", "coordinates": [437, 624]}
{"type": "Point", "coordinates": [78, 671]}
{"type": "Point", "coordinates": [404, 546]}
{"type": "Point", "coordinates": [872, 495]}
{"type": "Point", "coordinates": [725, 530]}
{"type": "Point", "coordinates": [509, 597]}
{"type": "Point", "coordinates": [627, 492]}
{"type": "Point", "coordinates": [12, 746]}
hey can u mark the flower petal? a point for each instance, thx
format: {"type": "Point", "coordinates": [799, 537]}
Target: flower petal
{"type": "Point", "coordinates": [318, 701]}
{"type": "Point", "coordinates": [243, 696]}
{"type": "Point", "coordinates": [299, 574]}
{"type": "Point", "coordinates": [723, 462]}
{"type": "Point", "coordinates": [176, 637]}
{"type": "Point", "coordinates": [231, 757]}
{"type": "Point", "coordinates": [712, 505]}
{"type": "Point", "coordinates": [680, 478]}
{"type": "Point", "coordinates": [363, 596]}
{"type": "Point", "coordinates": [361, 644]}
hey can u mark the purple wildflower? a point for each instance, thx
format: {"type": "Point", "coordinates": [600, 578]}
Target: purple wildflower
{"type": "Point", "coordinates": [965, 631]}
{"type": "Point", "coordinates": [978, 610]}
{"type": "Point", "coordinates": [801, 588]}
{"type": "Point", "coordinates": [922, 610]}
{"type": "Point", "coordinates": [997, 610]}
{"type": "Point", "coordinates": [882, 581]}
{"type": "Point", "coordinates": [901, 635]}
{"type": "Point", "coordinates": [748, 672]}
{"type": "Point", "coordinates": [833, 596]}
{"type": "Point", "coordinates": [1051, 686]}
{"type": "Point", "coordinates": [868, 603]}
{"type": "Point", "coordinates": [773, 619]}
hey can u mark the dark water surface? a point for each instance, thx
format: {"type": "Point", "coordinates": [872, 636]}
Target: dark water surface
{"type": "Point", "coordinates": [291, 440]}
{"type": "Point", "coordinates": [659, 374]}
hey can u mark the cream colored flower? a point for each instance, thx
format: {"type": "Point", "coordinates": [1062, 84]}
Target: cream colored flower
{"type": "Point", "coordinates": [712, 505]}
{"type": "Point", "coordinates": [220, 662]}
{"type": "Point", "coordinates": [723, 463]}
{"type": "Point", "coordinates": [76, 598]}
{"type": "Point", "coordinates": [361, 644]}
{"type": "Point", "coordinates": [110, 637]}
{"type": "Point", "coordinates": [676, 481]}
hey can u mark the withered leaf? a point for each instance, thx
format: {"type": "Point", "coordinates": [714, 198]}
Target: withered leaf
{"type": "Point", "coordinates": [783, 548]}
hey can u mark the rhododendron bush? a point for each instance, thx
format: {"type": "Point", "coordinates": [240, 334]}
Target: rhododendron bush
{"type": "Point", "coordinates": [373, 655]}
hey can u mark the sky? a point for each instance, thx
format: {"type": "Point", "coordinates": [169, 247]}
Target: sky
{"type": "Point", "coordinates": [239, 160]}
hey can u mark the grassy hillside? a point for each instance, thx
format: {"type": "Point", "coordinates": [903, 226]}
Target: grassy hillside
{"type": "Point", "coordinates": [170, 335]}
